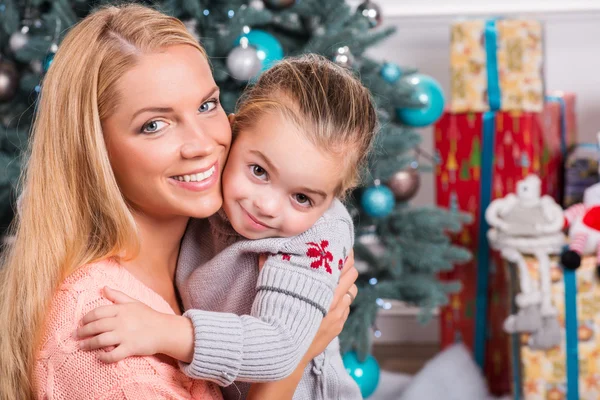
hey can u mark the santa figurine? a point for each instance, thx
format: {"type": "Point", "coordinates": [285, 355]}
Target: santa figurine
{"type": "Point", "coordinates": [583, 220]}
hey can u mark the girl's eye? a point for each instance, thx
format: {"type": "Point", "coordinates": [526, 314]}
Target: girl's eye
{"type": "Point", "coordinates": [208, 106]}
{"type": "Point", "coordinates": [303, 200]}
{"type": "Point", "coordinates": [259, 172]}
{"type": "Point", "coordinates": [153, 126]}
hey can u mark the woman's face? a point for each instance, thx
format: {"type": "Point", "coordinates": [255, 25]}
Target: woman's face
{"type": "Point", "coordinates": [169, 137]}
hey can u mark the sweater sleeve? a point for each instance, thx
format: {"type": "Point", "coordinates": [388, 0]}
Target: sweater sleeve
{"type": "Point", "coordinates": [294, 292]}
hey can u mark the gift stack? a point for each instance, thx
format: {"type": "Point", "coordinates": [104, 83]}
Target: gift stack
{"type": "Point", "coordinates": [544, 374]}
{"type": "Point", "coordinates": [500, 127]}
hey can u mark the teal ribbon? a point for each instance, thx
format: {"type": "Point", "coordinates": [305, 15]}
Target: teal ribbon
{"type": "Point", "coordinates": [515, 341]}
{"type": "Point", "coordinates": [563, 122]}
{"type": "Point", "coordinates": [572, 346]}
{"type": "Point", "coordinates": [491, 51]}
{"type": "Point", "coordinates": [483, 247]}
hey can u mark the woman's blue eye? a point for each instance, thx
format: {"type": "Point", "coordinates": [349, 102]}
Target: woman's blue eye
{"type": "Point", "coordinates": [153, 126]}
{"type": "Point", "coordinates": [208, 106]}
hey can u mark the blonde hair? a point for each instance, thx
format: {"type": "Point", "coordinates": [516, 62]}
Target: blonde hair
{"type": "Point", "coordinates": [325, 101]}
{"type": "Point", "coordinates": [72, 212]}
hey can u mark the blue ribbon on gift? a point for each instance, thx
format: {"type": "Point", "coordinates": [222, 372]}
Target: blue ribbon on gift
{"type": "Point", "coordinates": [491, 51]}
{"type": "Point", "coordinates": [483, 247]}
{"type": "Point", "coordinates": [487, 160]}
{"type": "Point", "coordinates": [563, 122]}
{"type": "Point", "coordinates": [572, 346]}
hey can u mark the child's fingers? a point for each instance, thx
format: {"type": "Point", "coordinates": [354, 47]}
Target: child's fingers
{"type": "Point", "coordinates": [113, 356]}
{"type": "Point", "coordinates": [99, 313]}
{"type": "Point", "coordinates": [116, 296]}
{"type": "Point", "coordinates": [96, 327]}
{"type": "Point", "coordinates": [100, 341]}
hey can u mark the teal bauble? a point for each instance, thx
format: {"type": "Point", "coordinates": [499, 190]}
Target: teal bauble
{"type": "Point", "coordinates": [268, 48]}
{"type": "Point", "coordinates": [47, 62]}
{"type": "Point", "coordinates": [365, 374]}
{"type": "Point", "coordinates": [429, 93]}
{"type": "Point", "coordinates": [390, 72]}
{"type": "Point", "coordinates": [378, 201]}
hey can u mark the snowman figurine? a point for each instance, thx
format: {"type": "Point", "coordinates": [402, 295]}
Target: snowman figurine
{"type": "Point", "coordinates": [528, 223]}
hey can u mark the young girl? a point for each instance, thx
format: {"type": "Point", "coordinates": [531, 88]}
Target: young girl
{"type": "Point", "coordinates": [301, 135]}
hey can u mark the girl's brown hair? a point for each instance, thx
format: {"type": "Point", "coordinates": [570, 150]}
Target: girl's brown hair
{"type": "Point", "coordinates": [325, 101]}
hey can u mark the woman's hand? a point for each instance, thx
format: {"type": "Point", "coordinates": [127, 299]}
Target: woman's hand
{"type": "Point", "coordinates": [131, 328]}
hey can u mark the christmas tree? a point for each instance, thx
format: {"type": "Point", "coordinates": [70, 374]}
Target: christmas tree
{"type": "Point", "coordinates": [400, 249]}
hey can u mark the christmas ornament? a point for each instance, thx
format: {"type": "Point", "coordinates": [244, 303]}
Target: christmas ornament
{"type": "Point", "coordinates": [377, 201]}
{"type": "Point", "coordinates": [371, 11]}
{"type": "Point", "coordinates": [344, 57]}
{"type": "Point", "coordinates": [429, 92]}
{"type": "Point", "coordinates": [365, 374]}
{"type": "Point", "coordinates": [279, 4]}
{"type": "Point", "coordinates": [49, 57]}
{"type": "Point", "coordinates": [268, 48]}
{"type": "Point", "coordinates": [405, 183]}
{"type": "Point", "coordinates": [9, 80]}
{"type": "Point", "coordinates": [390, 72]}
{"type": "Point", "coordinates": [243, 63]}
{"type": "Point", "coordinates": [19, 39]}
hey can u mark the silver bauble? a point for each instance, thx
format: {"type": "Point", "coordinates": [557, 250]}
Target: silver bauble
{"type": "Point", "coordinates": [405, 184]}
{"type": "Point", "coordinates": [243, 63]}
{"type": "Point", "coordinates": [279, 4]}
{"type": "Point", "coordinates": [18, 40]}
{"type": "Point", "coordinates": [371, 11]}
{"type": "Point", "coordinates": [9, 80]}
{"type": "Point", "coordinates": [343, 56]}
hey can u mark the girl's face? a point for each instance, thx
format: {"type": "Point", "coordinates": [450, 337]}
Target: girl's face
{"type": "Point", "coordinates": [168, 138]}
{"type": "Point", "coordinates": [276, 182]}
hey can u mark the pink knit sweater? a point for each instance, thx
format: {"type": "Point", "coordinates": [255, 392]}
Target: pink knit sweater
{"type": "Point", "coordinates": [64, 372]}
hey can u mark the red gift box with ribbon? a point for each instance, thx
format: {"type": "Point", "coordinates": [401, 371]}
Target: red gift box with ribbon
{"type": "Point", "coordinates": [480, 157]}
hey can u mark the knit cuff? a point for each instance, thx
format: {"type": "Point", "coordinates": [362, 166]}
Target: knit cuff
{"type": "Point", "coordinates": [297, 281]}
{"type": "Point", "coordinates": [218, 341]}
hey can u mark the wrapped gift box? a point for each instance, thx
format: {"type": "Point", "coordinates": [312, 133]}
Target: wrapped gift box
{"type": "Point", "coordinates": [472, 170]}
{"type": "Point", "coordinates": [571, 191]}
{"type": "Point", "coordinates": [496, 63]}
{"type": "Point", "coordinates": [542, 374]}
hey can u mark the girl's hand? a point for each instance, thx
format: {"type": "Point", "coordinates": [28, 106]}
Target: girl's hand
{"type": "Point", "coordinates": [131, 328]}
{"type": "Point", "coordinates": [333, 323]}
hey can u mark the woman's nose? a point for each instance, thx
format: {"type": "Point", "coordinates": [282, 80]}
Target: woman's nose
{"type": "Point", "coordinates": [197, 142]}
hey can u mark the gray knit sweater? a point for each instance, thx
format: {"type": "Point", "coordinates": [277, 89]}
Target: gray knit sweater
{"type": "Point", "coordinates": [252, 327]}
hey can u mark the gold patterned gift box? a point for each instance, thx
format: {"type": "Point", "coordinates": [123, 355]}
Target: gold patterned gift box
{"type": "Point", "coordinates": [516, 68]}
{"type": "Point", "coordinates": [542, 374]}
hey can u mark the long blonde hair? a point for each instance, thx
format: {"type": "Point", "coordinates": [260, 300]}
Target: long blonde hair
{"type": "Point", "coordinates": [72, 211]}
{"type": "Point", "coordinates": [328, 103]}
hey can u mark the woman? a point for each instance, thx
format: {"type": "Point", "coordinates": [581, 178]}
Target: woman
{"type": "Point", "coordinates": [101, 207]}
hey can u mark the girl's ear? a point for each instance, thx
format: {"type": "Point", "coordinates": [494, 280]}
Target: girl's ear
{"type": "Point", "coordinates": [231, 118]}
